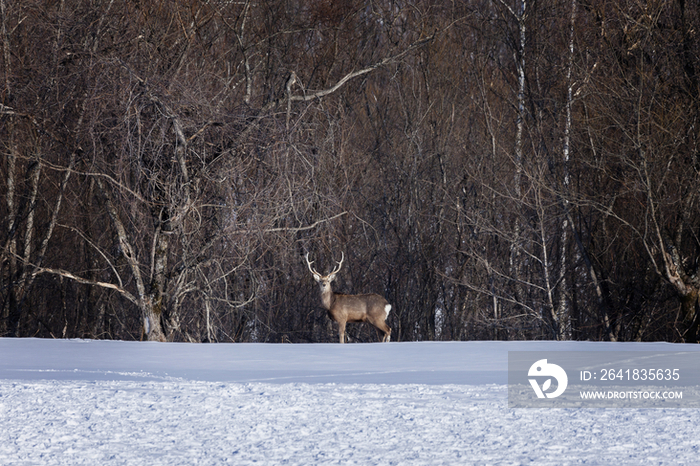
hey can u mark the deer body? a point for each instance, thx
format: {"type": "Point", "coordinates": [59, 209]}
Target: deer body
{"type": "Point", "coordinates": [344, 308]}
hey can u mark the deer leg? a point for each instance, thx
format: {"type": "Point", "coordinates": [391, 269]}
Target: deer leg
{"type": "Point", "coordinates": [387, 334]}
{"type": "Point", "coordinates": [381, 325]}
{"type": "Point", "coordinates": [341, 331]}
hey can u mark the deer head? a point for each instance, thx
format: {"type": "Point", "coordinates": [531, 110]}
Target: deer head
{"type": "Point", "coordinates": [324, 281]}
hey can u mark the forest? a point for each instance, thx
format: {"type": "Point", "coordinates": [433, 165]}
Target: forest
{"type": "Point", "coordinates": [497, 169]}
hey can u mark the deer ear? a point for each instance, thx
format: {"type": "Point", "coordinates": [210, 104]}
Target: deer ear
{"type": "Point", "coordinates": [331, 278]}
{"type": "Point", "coordinates": [317, 277]}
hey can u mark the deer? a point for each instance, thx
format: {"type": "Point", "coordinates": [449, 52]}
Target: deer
{"type": "Point", "coordinates": [344, 308]}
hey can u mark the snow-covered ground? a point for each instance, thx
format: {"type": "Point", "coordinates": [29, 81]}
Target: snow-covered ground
{"type": "Point", "coordinates": [107, 402]}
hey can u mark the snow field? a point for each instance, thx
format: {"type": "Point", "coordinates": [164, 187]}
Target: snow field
{"type": "Point", "coordinates": [76, 402]}
{"type": "Point", "coordinates": [189, 422]}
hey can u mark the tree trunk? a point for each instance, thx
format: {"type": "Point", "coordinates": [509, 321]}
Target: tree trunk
{"type": "Point", "coordinates": [150, 303]}
{"type": "Point", "coordinates": [690, 324]}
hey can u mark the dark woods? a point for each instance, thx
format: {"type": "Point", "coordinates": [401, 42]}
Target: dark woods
{"type": "Point", "coordinates": [502, 169]}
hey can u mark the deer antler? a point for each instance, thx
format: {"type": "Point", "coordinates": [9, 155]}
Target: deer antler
{"type": "Point", "coordinates": [309, 264]}
{"type": "Point", "coordinates": [335, 270]}
{"type": "Point", "coordinates": [340, 265]}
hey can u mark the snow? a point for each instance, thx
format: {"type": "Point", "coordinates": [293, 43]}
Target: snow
{"type": "Point", "coordinates": [109, 402]}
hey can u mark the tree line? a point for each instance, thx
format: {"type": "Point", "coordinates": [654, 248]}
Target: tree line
{"type": "Point", "coordinates": [498, 169]}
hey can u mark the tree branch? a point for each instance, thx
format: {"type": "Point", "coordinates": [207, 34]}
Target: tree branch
{"type": "Point", "coordinates": [85, 281]}
{"type": "Point", "coordinates": [354, 74]}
